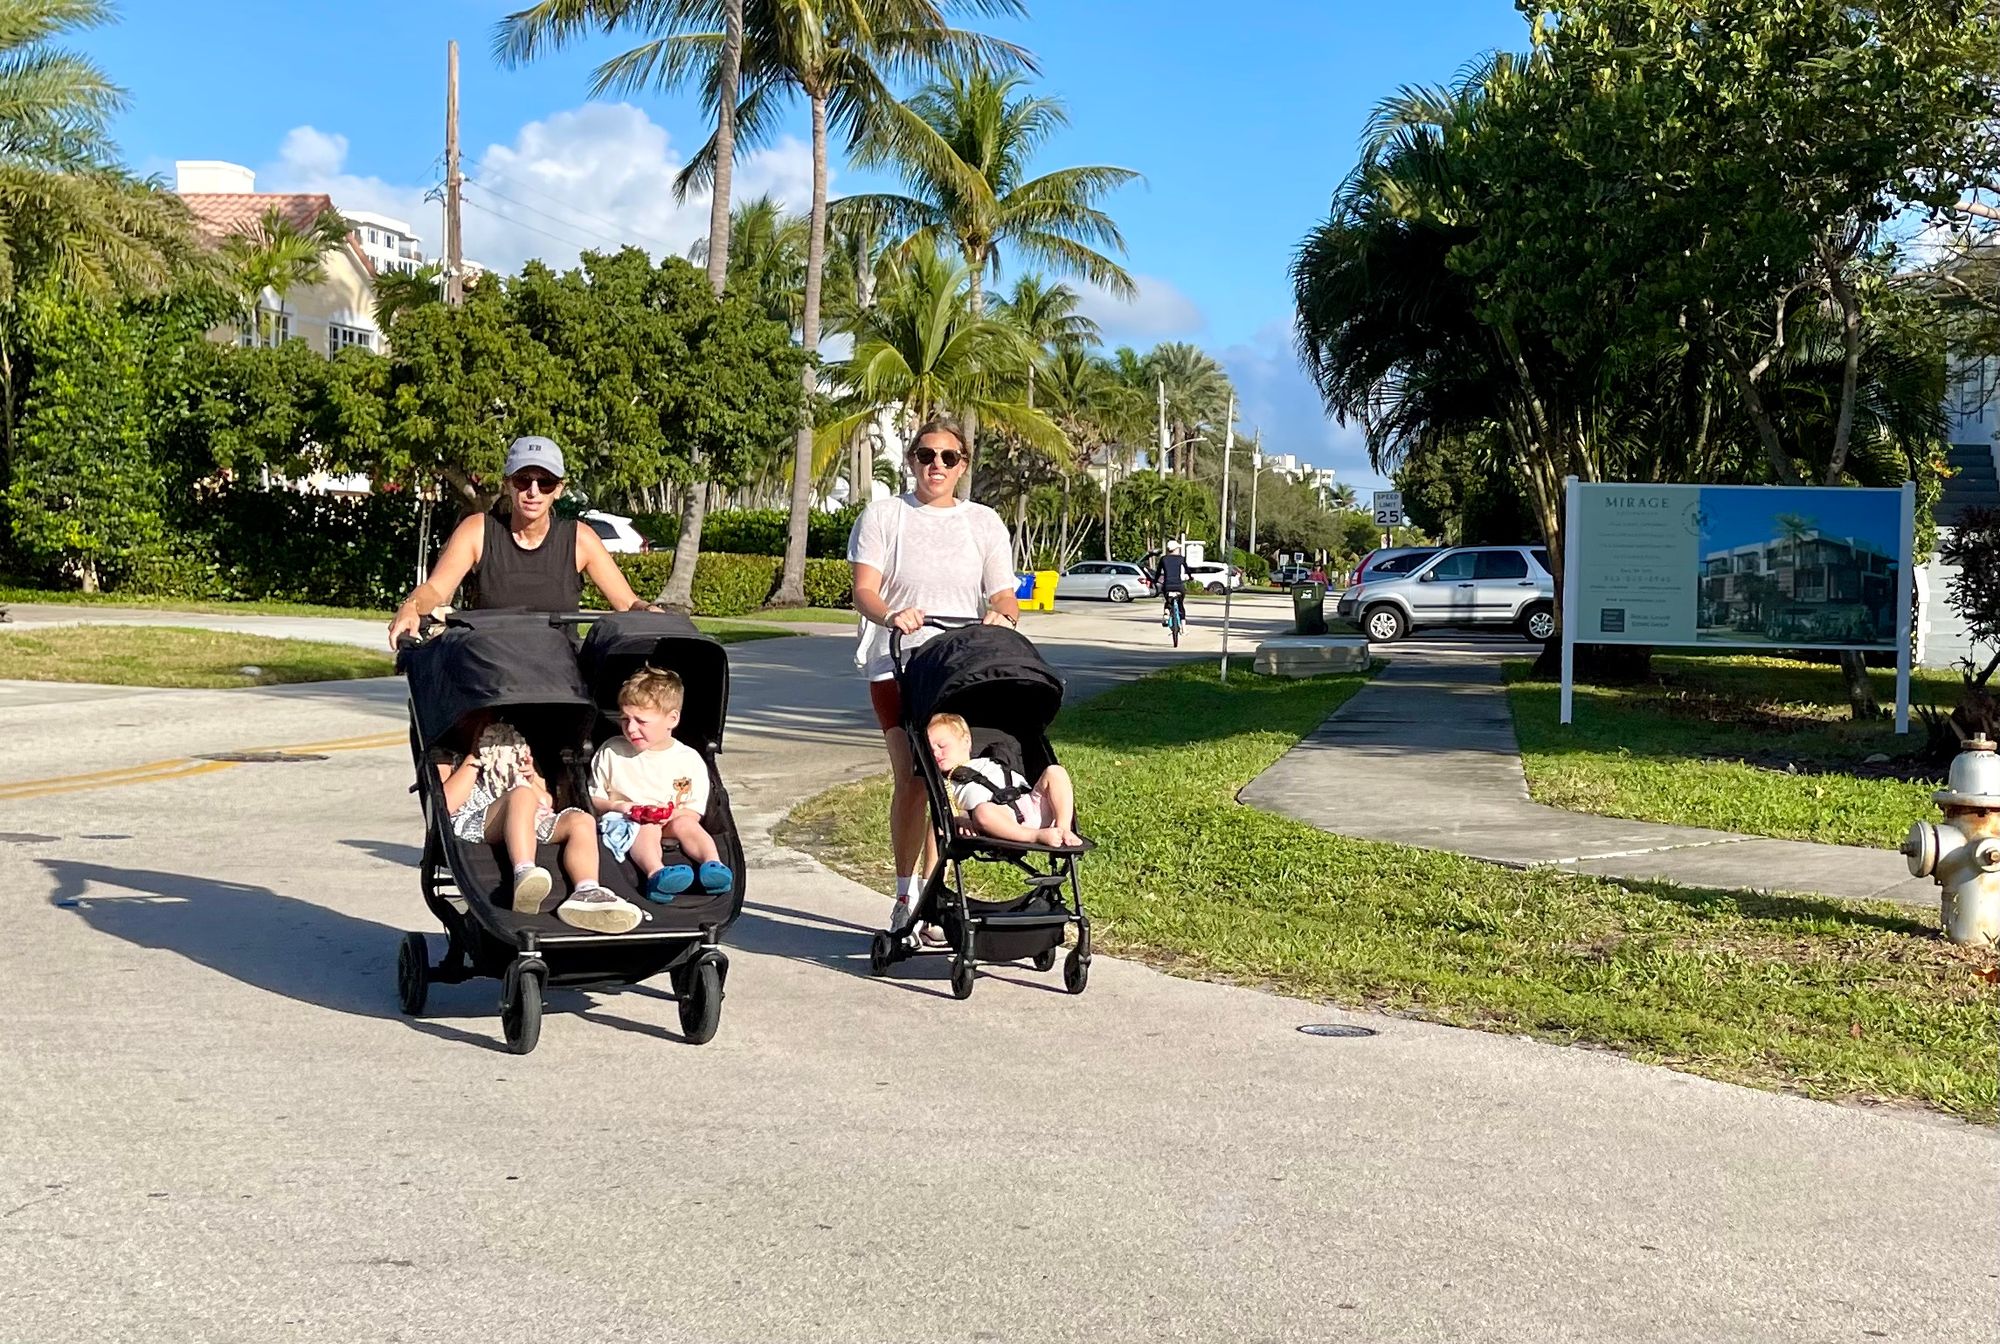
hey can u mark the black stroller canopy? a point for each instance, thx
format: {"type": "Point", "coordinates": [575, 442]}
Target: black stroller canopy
{"type": "Point", "coordinates": [620, 644]}
{"type": "Point", "coordinates": [990, 674]}
{"type": "Point", "coordinates": [486, 660]}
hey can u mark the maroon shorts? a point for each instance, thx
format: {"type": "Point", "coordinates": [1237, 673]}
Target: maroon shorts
{"type": "Point", "coordinates": [887, 698]}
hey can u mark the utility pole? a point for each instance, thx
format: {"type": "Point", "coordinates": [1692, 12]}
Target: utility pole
{"type": "Point", "coordinates": [1256, 470]}
{"type": "Point", "coordinates": [454, 258]}
{"type": "Point", "coordinates": [1228, 444]}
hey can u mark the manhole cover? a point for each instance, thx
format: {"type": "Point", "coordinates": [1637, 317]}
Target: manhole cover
{"type": "Point", "coordinates": [260, 757]}
{"type": "Point", "coordinates": [1335, 1029]}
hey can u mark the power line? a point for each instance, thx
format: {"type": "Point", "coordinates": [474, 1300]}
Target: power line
{"type": "Point", "coordinates": [532, 189]}
{"type": "Point", "coordinates": [522, 223]}
{"type": "Point", "coordinates": [622, 231]}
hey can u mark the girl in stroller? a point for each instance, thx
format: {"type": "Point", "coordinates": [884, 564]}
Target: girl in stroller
{"type": "Point", "coordinates": [497, 797]}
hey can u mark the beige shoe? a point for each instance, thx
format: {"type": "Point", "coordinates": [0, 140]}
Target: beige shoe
{"type": "Point", "coordinates": [531, 888]}
{"type": "Point", "coordinates": [599, 910]}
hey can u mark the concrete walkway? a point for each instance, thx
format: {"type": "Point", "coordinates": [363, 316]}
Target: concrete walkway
{"type": "Point", "coordinates": [1425, 755]}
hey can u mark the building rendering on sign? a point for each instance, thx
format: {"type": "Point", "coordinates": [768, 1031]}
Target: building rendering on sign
{"type": "Point", "coordinates": [1802, 586]}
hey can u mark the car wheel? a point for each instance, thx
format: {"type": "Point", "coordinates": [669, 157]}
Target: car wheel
{"type": "Point", "coordinates": [1217, 588]}
{"type": "Point", "coordinates": [1384, 624]}
{"type": "Point", "coordinates": [1539, 623]}
{"type": "Point", "coordinates": [1118, 593]}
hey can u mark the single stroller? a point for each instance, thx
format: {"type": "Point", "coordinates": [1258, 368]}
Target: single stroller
{"type": "Point", "coordinates": [993, 678]}
{"type": "Point", "coordinates": [527, 666]}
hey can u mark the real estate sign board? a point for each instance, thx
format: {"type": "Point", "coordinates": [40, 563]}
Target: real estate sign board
{"type": "Point", "coordinates": [1739, 566]}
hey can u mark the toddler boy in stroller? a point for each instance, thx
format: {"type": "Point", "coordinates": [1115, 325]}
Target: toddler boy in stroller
{"type": "Point", "coordinates": [644, 773]}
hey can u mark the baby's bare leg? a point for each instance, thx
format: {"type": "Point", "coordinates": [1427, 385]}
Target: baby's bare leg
{"type": "Point", "coordinates": [1058, 797]}
{"type": "Point", "coordinates": [577, 834]}
{"type": "Point", "coordinates": [647, 849]}
{"type": "Point", "coordinates": [512, 822]}
{"type": "Point", "coordinates": [695, 842]}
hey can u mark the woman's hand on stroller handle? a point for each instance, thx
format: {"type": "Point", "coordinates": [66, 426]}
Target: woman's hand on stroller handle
{"type": "Point", "coordinates": [896, 632]}
{"type": "Point", "coordinates": [908, 621]}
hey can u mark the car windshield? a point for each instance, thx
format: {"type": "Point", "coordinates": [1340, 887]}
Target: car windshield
{"type": "Point", "coordinates": [1401, 564]}
{"type": "Point", "coordinates": [603, 529]}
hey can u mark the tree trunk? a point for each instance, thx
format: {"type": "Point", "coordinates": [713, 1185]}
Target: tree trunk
{"type": "Point", "coordinates": [1107, 501]}
{"type": "Point", "coordinates": [975, 298]}
{"type": "Point", "coordinates": [725, 149]}
{"type": "Point", "coordinates": [679, 592]}
{"type": "Point", "coordinates": [792, 582]}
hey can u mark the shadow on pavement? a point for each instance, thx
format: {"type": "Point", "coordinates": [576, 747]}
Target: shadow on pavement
{"type": "Point", "coordinates": [271, 942]}
{"type": "Point", "coordinates": [403, 856]}
{"type": "Point", "coordinates": [799, 935]}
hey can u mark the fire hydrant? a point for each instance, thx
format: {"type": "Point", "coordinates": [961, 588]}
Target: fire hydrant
{"type": "Point", "coordinates": [1963, 852]}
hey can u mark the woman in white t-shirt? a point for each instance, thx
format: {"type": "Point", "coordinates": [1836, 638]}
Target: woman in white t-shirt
{"type": "Point", "coordinates": [917, 556]}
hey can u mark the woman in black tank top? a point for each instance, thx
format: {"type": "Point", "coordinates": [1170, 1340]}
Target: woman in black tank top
{"type": "Point", "coordinates": [530, 558]}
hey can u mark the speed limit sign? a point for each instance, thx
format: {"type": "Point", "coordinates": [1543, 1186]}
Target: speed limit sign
{"type": "Point", "coordinates": [1388, 508]}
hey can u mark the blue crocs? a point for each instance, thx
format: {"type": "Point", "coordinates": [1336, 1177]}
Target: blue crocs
{"type": "Point", "coordinates": [716, 877]}
{"type": "Point", "coordinates": [668, 883]}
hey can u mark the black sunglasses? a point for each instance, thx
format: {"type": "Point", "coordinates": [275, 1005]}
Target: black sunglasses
{"type": "Point", "coordinates": [951, 457]}
{"type": "Point", "coordinates": [526, 481]}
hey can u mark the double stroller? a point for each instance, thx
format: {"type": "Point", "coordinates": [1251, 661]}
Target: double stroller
{"type": "Point", "coordinates": [994, 679]}
{"type": "Point", "coordinates": [528, 668]}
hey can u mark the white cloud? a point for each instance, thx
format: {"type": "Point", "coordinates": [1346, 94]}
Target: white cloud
{"type": "Point", "coordinates": [592, 177]}
{"type": "Point", "coordinates": [1160, 312]}
{"type": "Point", "coordinates": [1275, 396]}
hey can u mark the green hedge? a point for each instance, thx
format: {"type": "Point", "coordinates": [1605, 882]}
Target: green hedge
{"type": "Point", "coordinates": [1256, 569]}
{"type": "Point", "coordinates": [755, 531]}
{"type": "Point", "coordinates": [733, 585]}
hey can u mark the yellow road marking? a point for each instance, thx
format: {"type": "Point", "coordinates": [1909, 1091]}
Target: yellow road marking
{"type": "Point", "coordinates": [180, 767]}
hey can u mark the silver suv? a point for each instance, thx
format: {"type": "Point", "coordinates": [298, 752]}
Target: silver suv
{"type": "Point", "coordinates": [1476, 587]}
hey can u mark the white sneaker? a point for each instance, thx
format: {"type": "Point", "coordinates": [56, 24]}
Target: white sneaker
{"type": "Point", "coordinates": [901, 913]}
{"type": "Point", "coordinates": [600, 910]}
{"type": "Point", "coordinates": [531, 885]}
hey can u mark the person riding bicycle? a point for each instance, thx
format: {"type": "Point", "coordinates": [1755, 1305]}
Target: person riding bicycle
{"type": "Point", "coordinates": [1172, 580]}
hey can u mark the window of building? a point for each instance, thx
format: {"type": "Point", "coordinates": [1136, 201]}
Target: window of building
{"type": "Point", "coordinates": [272, 329]}
{"type": "Point", "coordinates": [338, 338]}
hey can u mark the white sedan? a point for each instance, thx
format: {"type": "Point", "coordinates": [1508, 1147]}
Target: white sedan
{"type": "Point", "coordinates": [1213, 575]}
{"type": "Point", "coordinates": [617, 532]}
{"type": "Point", "coordinates": [1118, 580]}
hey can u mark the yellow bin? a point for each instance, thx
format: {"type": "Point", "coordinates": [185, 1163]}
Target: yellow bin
{"type": "Point", "coordinates": [1038, 594]}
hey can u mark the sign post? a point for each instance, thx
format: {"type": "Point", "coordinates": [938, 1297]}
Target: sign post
{"type": "Point", "coordinates": [1739, 567]}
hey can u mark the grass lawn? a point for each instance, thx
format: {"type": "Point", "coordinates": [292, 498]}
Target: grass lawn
{"type": "Point", "coordinates": [1741, 743]}
{"type": "Point", "coordinates": [804, 615]}
{"type": "Point", "coordinates": [729, 632]}
{"type": "Point", "coordinates": [68, 598]}
{"type": "Point", "coordinates": [125, 655]}
{"type": "Point", "coordinates": [1831, 1000]}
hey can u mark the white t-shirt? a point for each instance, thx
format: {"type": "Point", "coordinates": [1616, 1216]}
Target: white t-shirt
{"type": "Point", "coordinates": [993, 777]}
{"type": "Point", "coordinates": [674, 774]}
{"type": "Point", "coordinates": [945, 562]}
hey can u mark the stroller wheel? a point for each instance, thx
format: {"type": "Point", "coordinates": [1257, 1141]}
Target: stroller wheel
{"type": "Point", "coordinates": [962, 972]}
{"type": "Point", "coordinates": [1076, 973]}
{"type": "Point", "coordinates": [701, 1003]}
{"type": "Point", "coordinates": [521, 1009]}
{"type": "Point", "coordinates": [1045, 961]}
{"type": "Point", "coordinates": [413, 973]}
{"type": "Point", "coordinates": [881, 952]}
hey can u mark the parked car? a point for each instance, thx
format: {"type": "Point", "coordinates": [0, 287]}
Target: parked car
{"type": "Point", "coordinates": [1469, 587]}
{"type": "Point", "coordinates": [617, 533]}
{"type": "Point", "coordinates": [1213, 574]}
{"type": "Point", "coordinates": [1117, 580]}
{"type": "Point", "coordinates": [1390, 560]}
{"type": "Point", "coordinates": [1290, 575]}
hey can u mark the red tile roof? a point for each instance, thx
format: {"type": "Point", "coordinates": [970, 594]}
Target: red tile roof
{"type": "Point", "coordinates": [224, 214]}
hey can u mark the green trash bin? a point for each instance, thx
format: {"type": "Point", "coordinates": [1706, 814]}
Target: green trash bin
{"type": "Point", "coordinates": [1309, 608]}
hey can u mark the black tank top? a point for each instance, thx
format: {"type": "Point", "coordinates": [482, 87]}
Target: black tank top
{"type": "Point", "coordinates": [542, 579]}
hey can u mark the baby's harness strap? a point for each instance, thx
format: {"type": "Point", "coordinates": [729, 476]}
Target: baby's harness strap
{"type": "Point", "coordinates": [1007, 795]}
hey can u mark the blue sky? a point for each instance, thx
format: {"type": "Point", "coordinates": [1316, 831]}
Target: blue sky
{"type": "Point", "coordinates": [1242, 119]}
{"type": "Point", "coordinates": [1748, 516]}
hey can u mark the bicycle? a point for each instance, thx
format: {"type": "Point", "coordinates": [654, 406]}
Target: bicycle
{"type": "Point", "coordinates": [1176, 614]}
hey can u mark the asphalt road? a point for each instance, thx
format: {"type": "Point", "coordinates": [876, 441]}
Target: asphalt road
{"type": "Point", "coordinates": [216, 1126]}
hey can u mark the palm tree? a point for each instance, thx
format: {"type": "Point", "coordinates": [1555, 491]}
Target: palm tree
{"type": "Point", "coordinates": [1197, 396]}
{"type": "Point", "coordinates": [837, 55]}
{"type": "Point", "coordinates": [767, 257]}
{"type": "Point", "coordinates": [1049, 320]}
{"type": "Point", "coordinates": [68, 215]}
{"type": "Point", "coordinates": [278, 256]}
{"type": "Point", "coordinates": [685, 48]}
{"type": "Point", "coordinates": [922, 348]}
{"type": "Point", "coordinates": [1346, 497]}
{"type": "Point", "coordinates": [964, 151]}
{"type": "Point", "coordinates": [398, 292]}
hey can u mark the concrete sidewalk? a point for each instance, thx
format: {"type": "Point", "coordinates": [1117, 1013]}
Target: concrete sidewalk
{"type": "Point", "coordinates": [1425, 755]}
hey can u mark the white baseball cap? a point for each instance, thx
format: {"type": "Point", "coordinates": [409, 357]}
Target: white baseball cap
{"type": "Point", "coordinates": [533, 450]}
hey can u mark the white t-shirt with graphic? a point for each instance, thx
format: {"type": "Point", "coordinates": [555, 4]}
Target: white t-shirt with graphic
{"type": "Point", "coordinates": [944, 561]}
{"type": "Point", "coordinates": [673, 774]}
